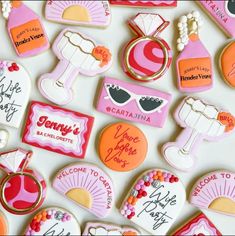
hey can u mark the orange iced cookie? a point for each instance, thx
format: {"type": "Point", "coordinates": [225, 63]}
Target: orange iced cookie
{"type": "Point", "coordinates": [122, 147]}
{"type": "Point", "coordinates": [3, 225]}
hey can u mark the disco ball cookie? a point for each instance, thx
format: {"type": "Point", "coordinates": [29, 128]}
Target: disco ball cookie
{"type": "Point", "coordinates": [53, 221]}
{"type": "Point", "coordinates": [147, 57]}
{"type": "Point", "coordinates": [3, 225]}
{"type": "Point", "coordinates": [155, 201]}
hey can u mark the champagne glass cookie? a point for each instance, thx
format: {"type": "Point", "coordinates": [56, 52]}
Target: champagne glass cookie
{"type": "Point", "coordinates": [147, 57]}
{"type": "Point", "coordinates": [194, 64]}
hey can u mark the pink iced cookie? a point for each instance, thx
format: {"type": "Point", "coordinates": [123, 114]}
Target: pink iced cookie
{"type": "Point", "coordinates": [200, 121]}
{"type": "Point", "coordinates": [145, 3]}
{"type": "Point", "coordinates": [133, 102]}
{"type": "Point", "coordinates": [84, 13]}
{"type": "Point", "coordinates": [88, 186]}
{"type": "Point", "coordinates": [215, 191]}
{"type": "Point", "coordinates": [223, 12]}
{"type": "Point", "coordinates": [77, 54]}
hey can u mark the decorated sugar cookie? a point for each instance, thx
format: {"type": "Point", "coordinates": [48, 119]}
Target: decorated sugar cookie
{"type": "Point", "coordinates": [145, 3]}
{"type": "Point", "coordinates": [84, 13]}
{"type": "Point", "coordinates": [122, 147]}
{"type": "Point", "coordinates": [223, 12]}
{"type": "Point", "coordinates": [102, 228]}
{"type": "Point", "coordinates": [155, 201]}
{"type": "Point", "coordinates": [194, 64]}
{"type": "Point", "coordinates": [200, 121]}
{"type": "Point", "coordinates": [25, 29]}
{"type": "Point", "coordinates": [57, 130]}
{"type": "Point", "coordinates": [53, 221]}
{"type": "Point", "coordinates": [147, 57]}
{"type": "Point", "coordinates": [15, 86]}
{"type": "Point", "coordinates": [133, 102]}
{"type": "Point", "coordinates": [198, 225]}
{"type": "Point", "coordinates": [77, 54]}
{"type": "Point", "coordinates": [227, 63]}
{"type": "Point", "coordinates": [215, 192]}
{"type": "Point", "coordinates": [88, 186]}
{"type": "Point", "coordinates": [22, 190]}
{"type": "Point", "coordinates": [3, 225]}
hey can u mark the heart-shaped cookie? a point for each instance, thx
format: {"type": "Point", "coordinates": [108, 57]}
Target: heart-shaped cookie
{"type": "Point", "coordinates": [15, 88]}
{"type": "Point", "coordinates": [155, 201]}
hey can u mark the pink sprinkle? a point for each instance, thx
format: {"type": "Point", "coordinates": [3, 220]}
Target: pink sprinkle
{"type": "Point", "coordinates": [141, 182]}
{"type": "Point", "coordinates": [151, 175]}
{"type": "Point", "coordinates": [68, 217]}
{"type": "Point", "coordinates": [137, 187]}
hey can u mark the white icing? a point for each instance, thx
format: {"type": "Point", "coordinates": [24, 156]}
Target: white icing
{"type": "Point", "coordinates": [4, 135]}
{"type": "Point", "coordinates": [100, 231]}
{"type": "Point", "coordinates": [6, 8]}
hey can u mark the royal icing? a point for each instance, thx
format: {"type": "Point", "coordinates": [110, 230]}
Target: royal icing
{"type": "Point", "coordinates": [147, 57]}
{"type": "Point", "coordinates": [15, 86]}
{"type": "Point", "coordinates": [122, 147]}
{"type": "Point", "coordinates": [88, 186]}
{"type": "Point", "coordinates": [85, 13]}
{"type": "Point", "coordinates": [22, 190]}
{"type": "Point", "coordinates": [3, 225]}
{"type": "Point", "coordinates": [77, 54]}
{"type": "Point", "coordinates": [215, 191]}
{"type": "Point", "coordinates": [133, 102]}
{"type": "Point", "coordinates": [222, 12]}
{"type": "Point", "coordinates": [58, 130]}
{"type": "Point", "coordinates": [227, 63]}
{"type": "Point", "coordinates": [201, 121]}
{"type": "Point", "coordinates": [53, 221]}
{"type": "Point", "coordinates": [4, 135]}
{"type": "Point", "coordinates": [194, 64]}
{"type": "Point", "coordinates": [198, 225]}
{"type": "Point", "coordinates": [145, 3]}
{"type": "Point", "coordinates": [102, 228]}
{"type": "Point", "coordinates": [155, 201]}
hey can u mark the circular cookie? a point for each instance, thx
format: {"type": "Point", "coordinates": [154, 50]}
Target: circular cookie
{"type": "Point", "coordinates": [3, 225]}
{"type": "Point", "coordinates": [122, 147]}
{"type": "Point", "coordinates": [53, 221]}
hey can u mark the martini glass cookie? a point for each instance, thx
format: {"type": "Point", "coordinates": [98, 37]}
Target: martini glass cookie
{"type": "Point", "coordinates": [147, 57]}
{"type": "Point", "coordinates": [3, 225]}
{"type": "Point", "coordinates": [145, 3]}
{"type": "Point", "coordinates": [78, 54]}
{"type": "Point", "coordinates": [216, 192]}
{"type": "Point", "coordinates": [200, 121]}
{"type": "Point", "coordinates": [84, 13]}
{"type": "Point", "coordinates": [53, 221]}
{"type": "Point", "coordinates": [155, 201]}
{"type": "Point", "coordinates": [88, 186]}
{"type": "Point", "coordinates": [194, 64]}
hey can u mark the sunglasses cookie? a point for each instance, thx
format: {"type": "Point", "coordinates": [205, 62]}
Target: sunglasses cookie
{"type": "Point", "coordinates": [88, 186]}
{"type": "Point", "coordinates": [215, 192]}
{"type": "Point", "coordinates": [200, 121]}
{"type": "Point", "coordinates": [145, 3]}
{"type": "Point", "coordinates": [133, 102]}
{"type": "Point", "coordinates": [78, 54]}
{"type": "Point", "coordinates": [155, 201]}
{"type": "Point", "coordinates": [3, 225]}
{"type": "Point", "coordinates": [194, 63]}
{"type": "Point", "coordinates": [84, 13]}
{"type": "Point", "coordinates": [147, 57]}
{"type": "Point", "coordinates": [53, 221]}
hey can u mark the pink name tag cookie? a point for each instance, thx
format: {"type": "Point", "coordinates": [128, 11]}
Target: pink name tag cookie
{"type": "Point", "coordinates": [58, 130]}
{"type": "Point", "coordinates": [84, 13]}
{"type": "Point", "coordinates": [78, 54]}
{"type": "Point", "coordinates": [223, 12]}
{"type": "Point", "coordinates": [145, 3]}
{"type": "Point", "coordinates": [200, 121]}
{"type": "Point", "coordinates": [88, 186]}
{"type": "Point", "coordinates": [133, 102]}
{"type": "Point", "coordinates": [215, 192]}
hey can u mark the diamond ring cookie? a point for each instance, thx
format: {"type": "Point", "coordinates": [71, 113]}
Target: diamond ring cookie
{"type": "Point", "coordinates": [53, 221]}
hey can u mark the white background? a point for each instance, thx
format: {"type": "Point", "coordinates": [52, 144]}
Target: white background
{"type": "Point", "coordinates": [211, 156]}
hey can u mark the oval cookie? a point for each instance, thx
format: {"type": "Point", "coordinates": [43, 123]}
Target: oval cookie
{"type": "Point", "coordinates": [53, 221]}
{"type": "Point", "coordinates": [227, 64]}
{"type": "Point", "coordinates": [122, 147]}
{"type": "Point", "coordinates": [3, 225]}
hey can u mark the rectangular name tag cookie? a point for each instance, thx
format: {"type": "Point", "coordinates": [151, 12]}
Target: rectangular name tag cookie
{"type": "Point", "coordinates": [145, 3]}
{"type": "Point", "coordinates": [57, 129]}
{"type": "Point", "coordinates": [133, 102]}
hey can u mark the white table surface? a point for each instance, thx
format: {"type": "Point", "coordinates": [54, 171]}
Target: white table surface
{"type": "Point", "coordinates": [211, 156]}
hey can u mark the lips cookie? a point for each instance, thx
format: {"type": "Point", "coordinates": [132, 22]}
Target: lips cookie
{"type": "Point", "coordinates": [155, 201]}
{"type": "Point", "coordinates": [200, 121]}
{"type": "Point", "coordinates": [3, 225]}
{"type": "Point", "coordinates": [198, 225]}
{"type": "Point", "coordinates": [122, 147]}
{"type": "Point", "coordinates": [53, 221]}
{"type": "Point", "coordinates": [102, 228]}
{"type": "Point", "coordinates": [145, 3]}
{"type": "Point", "coordinates": [22, 190]}
{"type": "Point", "coordinates": [84, 13]}
{"type": "Point", "coordinates": [88, 186]}
{"type": "Point", "coordinates": [147, 57]}
{"type": "Point", "coordinates": [215, 192]}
